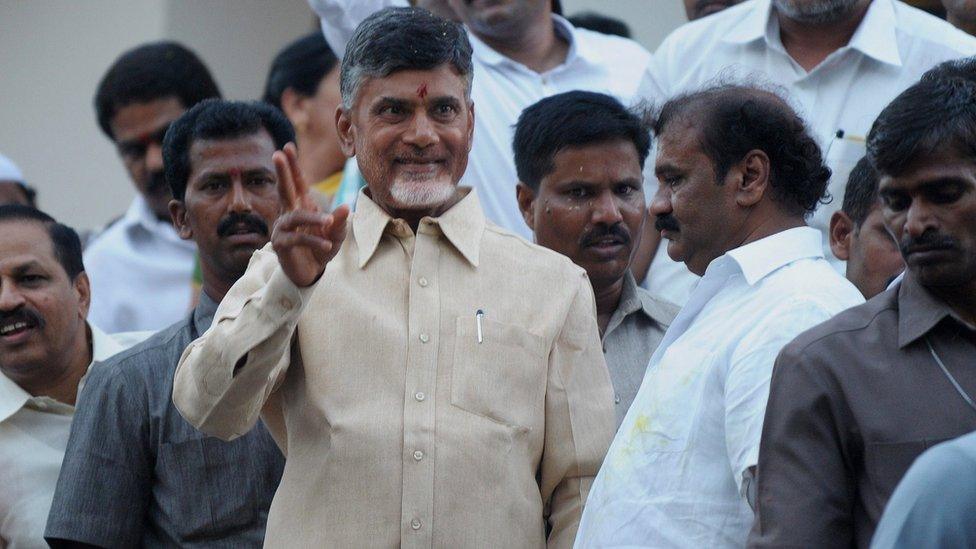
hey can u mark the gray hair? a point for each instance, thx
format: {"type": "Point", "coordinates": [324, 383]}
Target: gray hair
{"type": "Point", "coordinates": [396, 39]}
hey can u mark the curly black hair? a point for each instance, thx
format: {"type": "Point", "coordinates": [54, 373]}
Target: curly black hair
{"type": "Point", "coordinates": [935, 114]}
{"type": "Point", "coordinates": [218, 119]}
{"type": "Point", "coordinates": [734, 119]}
{"type": "Point", "coordinates": [152, 71]}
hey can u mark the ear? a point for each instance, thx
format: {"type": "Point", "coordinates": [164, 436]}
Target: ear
{"type": "Point", "coordinates": [177, 212]}
{"type": "Point", "coordinates": [82, 288]}
{"type": "Point", "coordinates": [841, 231]}
{"type": "Point", "coordinates": [345, 131]}
{"type": "Point", "coordinates": [470, 125]}
{"type": "Point", "coordinates": [754, 181]}
{"type": "Point", "coordinates": [294, 106]}
{"type": "Point", "coordinates": [526, 200]}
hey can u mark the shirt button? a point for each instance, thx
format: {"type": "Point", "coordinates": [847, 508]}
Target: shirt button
{"type": "Point", "coordinates": [420, 396]}
{"type": "Point", "coordinates": [415, 524]}
{"type": "Point", "coordinates": [616, 399]}
{"type": "Point", "coordinates": [424, 338]}
{"type": "Point", "coordinates": [418, 455]}
{"type": "Point", "coordinates": [423, 282]}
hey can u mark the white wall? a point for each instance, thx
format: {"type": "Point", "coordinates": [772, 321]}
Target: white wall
{"type": "Point", "coordinates": [53, 52]}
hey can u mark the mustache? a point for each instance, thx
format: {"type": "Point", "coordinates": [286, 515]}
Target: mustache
{"type": "Point", "coordinates": [157, 183]}
{"type": "Point", "coordinates": [23, 314]}
{"type": "Point", "coordinates": [666, 222]}
{"type": "Point", "coordinates": [234, 219]}
{"type": "Point", "coordinates": [618, 230]}
{"type": "Point", "coordinates": [928, 239]}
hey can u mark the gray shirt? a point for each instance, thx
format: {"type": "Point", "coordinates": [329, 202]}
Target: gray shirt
{"type": "Point", "coordinates": [633, 333]}
{"type": "Point", "coordinates": [934, 506]}
{"type": "Point", "coordinates": [135, 473]}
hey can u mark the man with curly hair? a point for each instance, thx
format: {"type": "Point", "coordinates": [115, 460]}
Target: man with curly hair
{"type": "Point", "coordinates": [739, 174]}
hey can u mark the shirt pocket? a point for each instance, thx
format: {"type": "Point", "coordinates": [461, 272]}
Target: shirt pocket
{"type": "Point", "coordinates": [502, 378]}
{"type": "Point", "coordinates": [211, 492]}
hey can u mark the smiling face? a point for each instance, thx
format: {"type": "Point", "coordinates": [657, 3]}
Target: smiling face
{"type": "Point", "coordinates": [696, 214]}
{"type": "Point", "coordinates": [230, 205]}
{"type": "Point", "coordinates": [931, 210]}
{"type": "Point", "coordinates": [138, 129]}
{"type": "Point", "coordinates": [411, 133]}
{"type": "Point", "coordinates": [590, 207]}
{"type": "Point", "coordinates": [42, 311]}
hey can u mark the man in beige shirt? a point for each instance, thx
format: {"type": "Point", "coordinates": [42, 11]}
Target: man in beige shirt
{"type": "Point", "coordinates": [433, 381]}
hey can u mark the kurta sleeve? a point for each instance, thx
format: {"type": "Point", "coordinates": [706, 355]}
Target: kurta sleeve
{"type": "Point", "coordinates": [225, 377]}
{"type": "Point", "coordinates": [805, 483]}
{"type": "Point", "coordinates": [579, 417]}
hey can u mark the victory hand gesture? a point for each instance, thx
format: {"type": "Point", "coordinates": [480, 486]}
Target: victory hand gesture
{"type": "Point", "coordinates": [304, 238]}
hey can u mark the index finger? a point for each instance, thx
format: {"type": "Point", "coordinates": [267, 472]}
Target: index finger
{"type": "Point", "coordinates": [286, 187]}
{"type": "Point", "coordinates": [301, 186]}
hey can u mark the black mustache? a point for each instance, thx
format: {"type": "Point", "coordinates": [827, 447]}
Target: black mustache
{"type": "Point", "coordinates": [666, 223]}
{"type": "Point", "coordinates": [157, 183]}
{"type": "Point", "coordinates": [251, 221]}
{"type": "Point", "coordinates": [928, 239]}
{"type": "Point", "coordinates": [618, 230]}
{"type": "Point", "coordinates": [23, 314]}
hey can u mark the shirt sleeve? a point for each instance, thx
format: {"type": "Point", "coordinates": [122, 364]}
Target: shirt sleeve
{"type": "Point", "coordinates": [225, 377]}
{"type": "Point", "coordinates": [804, 496]}
{"type": "Point", "coordinates": [105, 482]}
{"type": "Point", "coordinates": [579, 417]}
{"type": "Point", "coordinates": [933, 505]}
{"type": "Point", "coordinates": [341, 17]}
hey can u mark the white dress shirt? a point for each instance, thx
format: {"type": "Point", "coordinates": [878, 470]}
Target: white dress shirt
{"type": "Point", "coordinates": [674, 474]}
{"type": "Point", "coordinates": [141, 273]}
{"type": "Point", "coordinates": [890, 50]}
{"type": "Point", "coordinates": [503, 88]}
{"type": "Point", "coordinates": [33, 437]}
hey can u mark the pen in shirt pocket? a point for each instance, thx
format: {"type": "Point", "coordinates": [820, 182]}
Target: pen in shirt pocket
{"type": "Point", "coordinates": [478, 316]}
{"type": "Point", "coordinates": [844, 136]}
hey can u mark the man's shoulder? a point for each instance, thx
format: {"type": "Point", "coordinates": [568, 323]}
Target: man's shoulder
{"type": "Point", "coordinates": [660, 310]}
{"type": "Point", "coordinates": [604, 47]}
{"type": "Point", "coordinates": [516, 252]}
{"type": "Point", "coordinates": [712, 29]}
{"type": "Point", "coordinates": [846, 328]}
{"type": "Point", "coordinates": [110, 241]}
{"type": "Point", "coordinates": [150, 361]}
{"type": "Point", "coordinates": [941, 38]}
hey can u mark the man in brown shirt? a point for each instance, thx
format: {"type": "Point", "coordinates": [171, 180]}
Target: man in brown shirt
{"type": "Point", "coordinates": [580, 160]}
{"type": "Point", "coordinates": [435, 381]}
{"type": "Point", "coordinates": [855, 400]}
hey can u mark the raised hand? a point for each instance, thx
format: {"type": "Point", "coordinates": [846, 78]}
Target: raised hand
{"type": "Point", "coordinates": [304, 238]}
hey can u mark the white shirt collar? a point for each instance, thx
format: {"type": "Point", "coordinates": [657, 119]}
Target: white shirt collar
{"type": "Point", "coordinates": [759, 259]}
{"type": "Point", "coordinates": [875, 36]}
{"type": "Point", "coordinates": [488, 56]}
{"type": "Point", "coordinates": [13, 397]}
{"type": "Point", "coordinates": [140, 216]}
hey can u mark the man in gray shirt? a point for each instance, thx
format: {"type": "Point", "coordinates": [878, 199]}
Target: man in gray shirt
{"type": "Point", "coordinates": [135, 472]}
{"type": "Point", "coordinates": [579, 157]}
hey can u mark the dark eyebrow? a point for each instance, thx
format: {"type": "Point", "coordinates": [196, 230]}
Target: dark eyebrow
{"type": "Point", "coordinates": [32, 264]}
{"type": "Point", "coordinates": [665, 168]}
{"type": "Point", "coordinates": [391, 102]}
{"type": "Point", "coordinates": [446, 100]}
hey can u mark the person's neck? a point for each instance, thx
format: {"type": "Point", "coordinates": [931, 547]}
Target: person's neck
{"type": "Point", "coordinates": [961, 299]}
{"type": "Point", "coordinates": [768, 226]}
{"type": "Point", "coordinates": [539, 47]}
{"type": "Point", "coordinates": [64, 387]}
{"type": "Point", "coordinates": [607, 300]}
{"type": "Point", "coordinates": [809, 44]}
{"type": "Point", "coordinates": [215, 286]}
{"type": "Point", "coordinates": [413, 217]}
{"type": "Point", "coordinates": [965, 25]}
{"type": "Point", "coordinates": [315, 162]}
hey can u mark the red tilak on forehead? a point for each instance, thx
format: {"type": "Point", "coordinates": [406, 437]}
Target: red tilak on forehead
{"type": "Point", "coordinates": [422, 91]}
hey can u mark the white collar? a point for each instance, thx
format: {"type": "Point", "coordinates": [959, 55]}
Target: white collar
{"type": "Point", "coordinates": [759, 259]}
{"type": "Point", "coordinates": [13, 397]}
{"type": "Point", "coordinates": [140, 216]}
{"type": "Point", "coordinates": [875, 37]}
{"type": "Point", "coordinates": [563, 28]}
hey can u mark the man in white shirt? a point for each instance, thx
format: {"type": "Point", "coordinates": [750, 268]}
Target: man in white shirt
{"type": "Point", "coordinates": [141, 271]}
{"type": "Point", "coordinates": [46, 347]}
{"type": "Point", "coordinates": [841, 61]}
{"type": "Point", "coordinates": [738, 174]}
{"type": "Point", "coordinates": [522, 52]}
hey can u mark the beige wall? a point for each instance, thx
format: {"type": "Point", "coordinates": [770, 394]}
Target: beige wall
{"type": "Point", "coordinates": [53, 52]}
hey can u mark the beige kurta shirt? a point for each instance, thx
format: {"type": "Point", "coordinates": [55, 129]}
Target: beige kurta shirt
{"type": "Point", "coordinates": [401, 425]}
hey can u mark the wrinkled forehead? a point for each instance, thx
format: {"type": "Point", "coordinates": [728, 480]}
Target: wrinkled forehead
{"type": "Point", "coordinates": [931, 171]}
{"type": "Point", "coordinates": [232, 155]}
{"type": "Point", "coordinates": [414, 85]}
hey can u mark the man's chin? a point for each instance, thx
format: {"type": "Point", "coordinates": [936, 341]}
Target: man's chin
{"type": "Point", "coordinates": [409, 195]}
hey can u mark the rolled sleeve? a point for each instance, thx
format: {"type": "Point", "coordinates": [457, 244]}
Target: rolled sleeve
{"type": "Point", "coordinates": [579, 417]}
{"type": "Point", "coordinates": [225, 377]}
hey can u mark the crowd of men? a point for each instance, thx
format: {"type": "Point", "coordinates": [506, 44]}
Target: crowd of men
{"type": "Point", "coordinates": [472, 275]}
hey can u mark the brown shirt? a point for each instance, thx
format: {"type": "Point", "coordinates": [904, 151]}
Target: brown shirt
{"type": "Point", "coordinates": [401, 425]}
{"type": "Point", "coordinates": [852, 403]}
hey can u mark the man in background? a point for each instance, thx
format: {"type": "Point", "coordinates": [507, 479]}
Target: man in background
{"type": "Point", "coordinates": [858, 235]}
{"type": "Point", "coordinates": [580, 159]}
{"type": "Point", "coordinates": [962, 14]}
{"type": "Point", "coordinates": [13, 187]}
{"type": "Point", "coordinates": [141, 270]}
{"type": "Point", "coordinates": [696, 9]}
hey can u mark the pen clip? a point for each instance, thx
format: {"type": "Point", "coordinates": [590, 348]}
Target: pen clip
{"type": "Point", "coordinates": [477, 316]}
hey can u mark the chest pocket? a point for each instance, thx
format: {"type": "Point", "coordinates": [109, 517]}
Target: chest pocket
{"type": "Point", "coordinates": [206, 487]}
{"type": "Point", "coordinates": [503, 378]}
